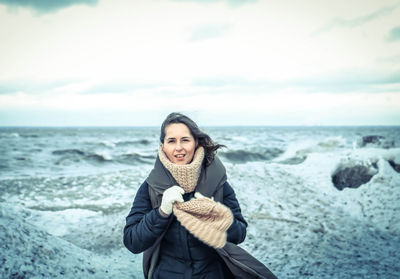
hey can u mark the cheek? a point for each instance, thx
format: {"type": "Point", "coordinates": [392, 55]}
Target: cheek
{"type": "Point", "coordinates": [169, 151]}
{"type": "Point", "coordinates": [166, 150]}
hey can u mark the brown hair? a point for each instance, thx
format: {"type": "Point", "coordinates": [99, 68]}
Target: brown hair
{"type": "Point", "coordinates": [210, 148]}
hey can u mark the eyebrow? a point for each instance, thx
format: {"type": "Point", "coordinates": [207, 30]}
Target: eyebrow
{"type": "Point", "coordinates": [185, 137]}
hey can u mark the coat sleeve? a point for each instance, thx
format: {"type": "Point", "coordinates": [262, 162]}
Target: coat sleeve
{"type": "Point", "coordinates": [237, 231]}
{"type": "Point", "coordinates": [143, 224]}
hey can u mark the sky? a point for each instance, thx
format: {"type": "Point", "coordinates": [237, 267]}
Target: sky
{"type": "Point", "coordinates": [221, 62]}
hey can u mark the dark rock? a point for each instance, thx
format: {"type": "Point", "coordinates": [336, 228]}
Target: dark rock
{"type": "Point", "coordinates": [351, 177]}
{"type": "Point", "coordinates": [395, 166]}
{"type": "Point", "coordinates": [371, 139]}
{"type": "Point", "coordinates": [377, 141]}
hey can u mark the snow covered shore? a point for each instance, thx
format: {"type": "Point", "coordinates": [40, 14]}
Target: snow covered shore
{"type": "Point", "coordinates": [30, 252]}
{"type": "Point", "coordinates": [300, 224]}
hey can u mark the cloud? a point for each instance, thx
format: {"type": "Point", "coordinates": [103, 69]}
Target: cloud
{"type": "Point", "coordinates": [337, 83]}
{"type": "Point", "coordinates": [256, 86]}
{"type": "Point", "coordinates": [46, 6]}
{"type": "Point", "coordinates": [340, 82]}
{"type": "Point", "coordinates": [394, 34]}
{"type": "Point", "coordinates": [208, 31]}
{"type": "Point", "coordinates": [351, 81]}
{"type": "Point", "coordinates": [29, 86]}
{"type": "Point", "coordinates": [121, 87]}
{"type": "Point", "coordinates": [394, 59]}
{"type": "Point", "coordinates": [230, 2]}
{"type": "Point", "coordinates": [79, 86]}
{"type": "Point", "coordinates": [350, 23]}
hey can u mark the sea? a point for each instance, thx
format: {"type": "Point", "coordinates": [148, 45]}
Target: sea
{"type": "Point", "coordinates": [321, 202]}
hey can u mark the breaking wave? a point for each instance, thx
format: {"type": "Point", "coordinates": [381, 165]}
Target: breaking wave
{"type": "Point", "coordinates": [243, 156]}
{"type": "Point", "coordinates": [75, 156]}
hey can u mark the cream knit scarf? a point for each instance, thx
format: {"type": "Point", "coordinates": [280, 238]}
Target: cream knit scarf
{"type": "Point", "coordinates": [186, 175]}
{"type": "Point", "coordinates": [204, 218]}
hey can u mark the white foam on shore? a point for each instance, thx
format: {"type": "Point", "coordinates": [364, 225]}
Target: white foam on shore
{"type": "Point", "coordinates": [27, 251]}
{"type": "Point", "coordinates": [59, 223]}
{"type": "Point", "coordinates": [301, 226]}
{"type": "Point", "coordinates": [307, 146]}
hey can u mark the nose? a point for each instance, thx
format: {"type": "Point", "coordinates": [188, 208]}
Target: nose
{"type": "Point", "coordinates": [178, 147]}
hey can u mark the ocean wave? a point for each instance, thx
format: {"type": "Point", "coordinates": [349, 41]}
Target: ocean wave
{"type": "Point", "coordinates": [331, 143]}
{"type": "Point", "coordinates": [135, 159]}
{"type": "Point", "coordinates": [76, 156]}
{"type": "Point", "coordinates": [68, 152]}
{"type": "Point", "coordinates": [133, 142]}
{"type": "Point", "coordinates": [243, 156]}
{"type": "Point", "coordinates": [108, 144]}
{"type": "Point", "coordinates": [98, 158]}
{"type": "Point", "coordinates": [123, 143]}
{"type": "Point", "coordinates": [9, 135]}
{"type": "Point", "coordinates": [297, 152]}
{"type": "Point", "coordinates": [29, 136]}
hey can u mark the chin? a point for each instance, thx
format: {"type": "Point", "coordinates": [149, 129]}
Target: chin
{"type": "Point", "coordinates": [180, 163]}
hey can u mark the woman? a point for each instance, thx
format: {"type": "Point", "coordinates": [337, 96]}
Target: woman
{"type": "Point", "coordinates": [185, 213]}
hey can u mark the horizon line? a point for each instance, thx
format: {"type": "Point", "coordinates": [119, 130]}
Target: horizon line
{"type": "Point", "coordinates": [211, 126]}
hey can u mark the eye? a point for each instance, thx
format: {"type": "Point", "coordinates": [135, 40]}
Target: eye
{"type": "Point", "coordinates": [170, 141]}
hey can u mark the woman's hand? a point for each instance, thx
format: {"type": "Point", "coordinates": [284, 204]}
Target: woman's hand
{"type": "Point", "coordinates": [170, 196]}
{"type": "Point", "coordinates": [199, 195]}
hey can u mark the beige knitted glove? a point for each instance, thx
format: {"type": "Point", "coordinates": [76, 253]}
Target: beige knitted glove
{"type": "Point", "coordinates": [170, 196]}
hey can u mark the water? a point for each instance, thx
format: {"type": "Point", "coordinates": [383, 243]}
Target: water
{"type": "Point", "coordinates": [28, 152]}
{"type": "Point", "coordinates": [76, 185]}
{"type": "Point", "coordinates": [33, 152]}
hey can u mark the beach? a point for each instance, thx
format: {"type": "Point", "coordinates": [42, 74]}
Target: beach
{"type": "Point", "coordinates": [65, 193]}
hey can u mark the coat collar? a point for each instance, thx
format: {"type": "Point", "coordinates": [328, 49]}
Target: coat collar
{"type": "Point", "coordinates": [210, 180]}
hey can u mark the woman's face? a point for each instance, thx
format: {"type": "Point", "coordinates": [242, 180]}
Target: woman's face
{"type": "Point", "coordinates": [179, 144]}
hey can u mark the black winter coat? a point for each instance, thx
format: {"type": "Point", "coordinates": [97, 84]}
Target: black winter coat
{"type": "Point", "coordinates": [182, 255]}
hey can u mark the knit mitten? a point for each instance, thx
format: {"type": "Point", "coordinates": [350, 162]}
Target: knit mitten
{"type": "Point", "coordinates": [170, 196]}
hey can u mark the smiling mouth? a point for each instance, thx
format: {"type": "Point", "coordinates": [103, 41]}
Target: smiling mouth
{"type": "Point", "coordinates": [180, 156]}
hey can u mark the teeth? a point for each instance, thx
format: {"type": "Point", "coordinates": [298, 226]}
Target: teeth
{"type": "Point", "coordinates": [180, 156]}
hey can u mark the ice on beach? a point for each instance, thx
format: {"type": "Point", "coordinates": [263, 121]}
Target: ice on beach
{"type": "Point", "coordinates": [301, 225]}
{"type": "Point", "coordinates": [27, 251]}
{"type": "Point", "coordinates": [66, 221]}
